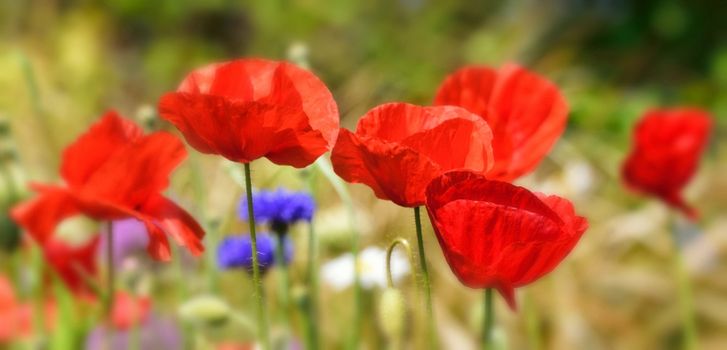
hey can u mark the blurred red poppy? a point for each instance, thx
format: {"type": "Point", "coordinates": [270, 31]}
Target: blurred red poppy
{"type": "Point", "coordinates": [667, 147]}
{"type": "Point", "coordinates": [527, 113]}
{"type": "Point", "coordinates": [398, 148]}
{"type": "Point", "coordinates": [498, 235]}
{"type": "Point", "coordinates": [252, 108]}
{"type": "Point", "coordinates": [129, 311]}
{"type": "Point", "coordinates": [11, 325]}
{"type": "Point", "coordinates": [111, 172]}
{"type": "Point", "coordinates": [75, 265]}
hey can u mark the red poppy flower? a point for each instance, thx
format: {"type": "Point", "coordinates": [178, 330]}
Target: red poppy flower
{"type": "Point", "coordinates": [111, 172]}
{"type": "Point", "coordinates": [667, 146]}
{"type": "Point", "coordinates": [252, 108]}
{"type": "Point", "coordinates": [398, 148]}
{"type": "Point", "coordinates": [73, 264]}
{"type": "Point", "coordinates": [498, 235]}
{"type": "Point", "coordinates": [11, 326]}
{"type": "Point", "coordinates": [17, 320]}
{"type": "Point", "coordinates": [527, 114]}
{"type": "Point", "coordinates": [129, 310]}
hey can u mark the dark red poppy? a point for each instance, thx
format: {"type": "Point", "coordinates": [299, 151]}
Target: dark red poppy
{"type": "Point", "coordinates": [74, 265]}
{"type": "Point", "coordinates": [252, 108]}
{"type": "Point", "coordinates": [498, 235]}
{"type": "Point", "coordinates": [667, 146]}
{"type": "Point", "coordinates": [398, 148]}
{"type": "Point", "coordinates": [111, 172]}
{"type": "Point", "coordinates": [527, 114]}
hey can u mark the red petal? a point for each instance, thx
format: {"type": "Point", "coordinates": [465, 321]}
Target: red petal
{"type": "Point", "coordinates": [526, 113]}
{"type": "Point", "coordinates": [137, 172]}
{"type": "Point", "coordinates": [40, 215]}
{"type": "Point", "coordinates": [398, 148]}
{"type": "Point", "coordinates": [96, 146]}
{"type": "Point", "coordinates": [176, 222]}
{"type": "Point", "coordinates": [73, 264]}
{"type": "Point", "coordinates": [395, 173]}
{"type": "Point", "coordinates": [668, 145]}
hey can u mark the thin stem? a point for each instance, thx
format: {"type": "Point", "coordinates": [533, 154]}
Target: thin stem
{"type": "Point", "coordinates": [398, 241]}
{"type": "Point", "coordinates": [110, 279]}
{"type": "Point", "coordinates": [284, 279]}
{"type": "Point", "coordinates": [425, 278]}
{"type": "Point", "coordinates": [108, 306]}
{"type": "Point", "coordinates": [38, 304]}
{"type": "Point", "coordinates": [256, 280]}
{"type": "Point", "coordinates": [312, 326]}
{"type": "Point", "coordinates": [684, 294]}
{"type": "Point", "coordinates": [489, 320]}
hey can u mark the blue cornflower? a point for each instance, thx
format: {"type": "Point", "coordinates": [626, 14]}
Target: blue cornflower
{"type": "Point", "coordinates": [236, 252]}
{"type": "Point", "coordinates": [279, 208]}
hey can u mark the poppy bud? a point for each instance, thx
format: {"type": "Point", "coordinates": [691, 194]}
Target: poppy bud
{"type": "Point", "coordinates": [392, 314]}
{"type": "Point", "coordinates": [205, 310]}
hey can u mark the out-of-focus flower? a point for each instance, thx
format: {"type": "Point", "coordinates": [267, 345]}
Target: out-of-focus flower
{"type": "Point", "coordinates": [527, 113]}
{"type": "Point", "coordinates": [236, 252]}
{"type": "Point", "coordinates": [279, 208]}
{"type": "Point", "coordinates": [205, 310]}
{"type": "Point", "coordinates": [252, 108]}
{"type": "Point", "coordinates": [399, 148]}
{"type": "Point", "coordinates": [12, 324]}
{"type": "Point", "coordinates": [236, 346]}
{"type": "Point", "coordinates": [129, 310]}
{"type": "Point", "coordinates": [498, 235]}
{"type": "Point", "coordinates": [17, 317]}
{"type": "Point", "coordinates": [333, 226]}
{"type": "Point", "coordinates": [667, 147]}
{"type": "Point", "coordinates": [75, 265]}
{"type": "Point", "coordinates": [130, 238]}
{"type": "Point", "coordinates": [154, 333]}
{"type": "Point", "coordinates": [339, 272]}
{"type": "Point", "coordinates": [112, 172]}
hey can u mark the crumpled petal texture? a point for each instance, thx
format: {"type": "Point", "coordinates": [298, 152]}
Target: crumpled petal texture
{"type": "Point", "coordinates": [497, 235]}
{"type": "Point", "coordinates": [527, 113]}
{"type": "Point", "coordinates": [398, 148]}
{"type": "Point", "coordinates": [252, 108]}
{"type": "Point", "coordinates": [112, 172]}
{"type": "Point", "coordinates": [667, 147]}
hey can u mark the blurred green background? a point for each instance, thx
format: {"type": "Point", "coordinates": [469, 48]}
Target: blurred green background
{"type": "Point", "coordinates": [62, 63]}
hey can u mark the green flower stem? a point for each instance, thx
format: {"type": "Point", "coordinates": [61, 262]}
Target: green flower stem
{"type": "Point", "coordinates": [284, 279]}
{"type": "Point", "coordinates": [256, 280]}
{"type": "Point", "coordinates": [312, 306]}
{"type": "Point", "coordinates": [488, 321]}
{"type": "Point", "coordinates": [110, 281]}
{"type": "Point", "coordinates": [38, 302]}
{"type": "Point", "coordinates": [110, 278]}
{"type": "Point", "coordinates": [425, 279]}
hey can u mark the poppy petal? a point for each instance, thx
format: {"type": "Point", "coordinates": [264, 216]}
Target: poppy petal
{"type": "Point", "coordinates": [96, 146]}
{"type": "Point", "coordinates": [40, 215]}
{"type": "Point", "coordinates": [526, 113]}
{"type": "Point", "coordinates": [138, 171]}
{"type": "Point", "coordinates": [176, 222]}
{"type": "Point", "coordinates": [398, 148]}
{"type": "Point", "coordinates": [395, 173]}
